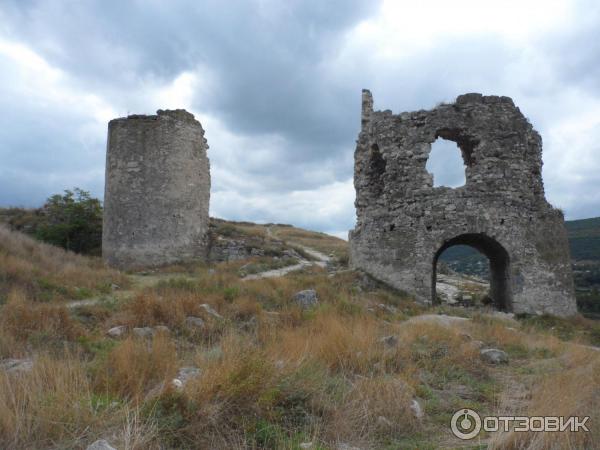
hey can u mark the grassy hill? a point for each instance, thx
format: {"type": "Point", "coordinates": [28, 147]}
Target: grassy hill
{"type": "Point", "coordinates": [584, 239]}
{"type": "Point", "coordinates": [198, 357]}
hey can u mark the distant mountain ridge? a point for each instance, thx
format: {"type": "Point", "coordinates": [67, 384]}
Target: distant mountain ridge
{"type": "Point", "coordinates": [584, 239]}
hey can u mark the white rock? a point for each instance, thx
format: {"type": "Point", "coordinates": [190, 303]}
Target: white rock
{"type": "Point", "coordinates": [447, 292]}
{"type": "Point", "coordinates": [211, 311]}
{"type": "Point", "coordinates": [100, 445]}
{"type": "Point", "coordinates": [117, 331]}
{"type": "Point", "coordinates": [383, 422]}
{"type": "Point", "coordinates": [306, 445]}
{"type": "Point", "coordinates": [184, 375]}
{"type": "Point", "coordinates": [416, 409]}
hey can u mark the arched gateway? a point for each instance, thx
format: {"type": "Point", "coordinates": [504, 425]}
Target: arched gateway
{"type": "Point", "coordinates": [404, 223]}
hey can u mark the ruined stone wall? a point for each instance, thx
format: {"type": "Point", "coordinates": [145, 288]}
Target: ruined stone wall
{"type": "Point", "coordinates": [157, 190]}
{"type": "Point", "coordinates": [404, 223]}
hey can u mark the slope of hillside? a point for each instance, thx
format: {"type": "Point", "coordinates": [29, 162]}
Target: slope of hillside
{"type": "Point", "coordinates": [202, 356]}
{"type": "Point", "coordinates": [45, 273]}
{"type": "Point", "coordinates": [584, 239]}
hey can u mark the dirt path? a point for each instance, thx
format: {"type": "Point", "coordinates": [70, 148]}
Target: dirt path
{"type": "Point", "coordinates": [137, 282]}
{"type": "Point", "coordinates": [278, 272]}
{"type": "Point", "coordinates": [320, 259]}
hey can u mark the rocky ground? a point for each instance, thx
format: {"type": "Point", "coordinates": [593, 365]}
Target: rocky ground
{"type": "Point", "coordinates": [456, 289]}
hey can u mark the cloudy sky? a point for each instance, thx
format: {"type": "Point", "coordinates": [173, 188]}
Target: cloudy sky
{"type": "Point", "coordinates": [277, 84]}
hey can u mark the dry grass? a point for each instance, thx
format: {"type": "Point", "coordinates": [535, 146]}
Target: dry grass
{"type": "Point", "coordinates": [55, 406]}
{"type": "Point", "coordinates": [238, 229]}
{"type": "Point", "coordinates": [45, 272]}
{"type": "Point", "coordinates": [272, 375]}
{"type": "Point", "coordinates": [23, 322]}
{"type": "Point", "coordinates": [136, 366]}
{"type": "Point", "coordinates": [319, 241]}
{"type": "Point", "coordinates": [151, 309]}
{"type": "Point", "coordinates": [358, 417]}
{"type": "Point", "coordinates": [329, 377]}
{"type": "Point", "coordinates": [572, 391]}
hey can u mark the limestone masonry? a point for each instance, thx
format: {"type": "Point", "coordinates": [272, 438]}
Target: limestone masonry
{"type": "Point", "coordinates": [404, 223]}
{"type": "Point", "coordinates": [157, 190]}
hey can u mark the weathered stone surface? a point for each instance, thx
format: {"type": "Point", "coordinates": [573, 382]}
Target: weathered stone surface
{"type": "Point", "coordinates": [210, 310]}
{"type": "Point", "coordinates": [387, 308]}
{"type": "Point", "coordinates": [437, 319]}
{"type": "Point", "coordinates": [222, 249]}
{"type": "Point", "coordinates": [404, 223]}
{"type": "Point", "coordinates": [117, 331]}
{"type": "Point", "coordinates": [184, 375]}
{"type": "Point", "coordinates": [157, 191]}
{"type": "Point", "coordinates": [16, 365]}
{"type": "Point", "coordinates": [194, 322]}
{"type": "Point", "coordinates": [493, 356]}
{"type": "Point", "coordinates": [100, 445]}
{"type": "Point", "coordinates": [384, 422]}
{"type": "Point", "coordinates": [416, 409]}
{"type": "Point", "coordinates": [306, 299]}
{"type": "Point", "coordinates": [144, 332]}
{"type": "Point", "coordinates": [389, 341]}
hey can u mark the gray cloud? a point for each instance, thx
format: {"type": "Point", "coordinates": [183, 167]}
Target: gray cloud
{"type": "Point", "coordinates": [277, 87]}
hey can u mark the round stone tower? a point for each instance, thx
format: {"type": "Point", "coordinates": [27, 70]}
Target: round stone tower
{"type": "Point", "coordinates": [157, 191]}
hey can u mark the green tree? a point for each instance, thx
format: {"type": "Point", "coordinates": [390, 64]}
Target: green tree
{"type": "Point", "coordinates": [72, 221]}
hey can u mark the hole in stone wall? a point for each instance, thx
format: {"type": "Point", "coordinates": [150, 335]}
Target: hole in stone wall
{"type": "Point", "coordinates": [376, 169]}
{"type": "Point", "coordinates": [446, 164]}
{"type": "Point", "coordinates": [474, 255]}
{"type": "Point", "coordinates": [376, 163]}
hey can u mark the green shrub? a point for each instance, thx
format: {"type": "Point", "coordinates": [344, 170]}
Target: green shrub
{"type": "Point", "coordinates": [230, 293]}
{"type": "Point", "coordinates": [72, 221]}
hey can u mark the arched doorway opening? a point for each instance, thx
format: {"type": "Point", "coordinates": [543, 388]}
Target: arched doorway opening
{"type": "Point", "coordinates": [499, 267]}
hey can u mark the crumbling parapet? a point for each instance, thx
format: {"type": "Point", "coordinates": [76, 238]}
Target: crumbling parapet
{"type": "Point", "coordinates": [157, 190]}
{"type": "Point", "coordinates": [404, 223]}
